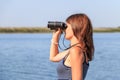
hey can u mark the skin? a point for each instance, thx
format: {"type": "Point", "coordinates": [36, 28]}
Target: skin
{"type": "Point", "coordinates": [75, 58]}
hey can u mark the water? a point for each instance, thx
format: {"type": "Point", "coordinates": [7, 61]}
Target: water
{"type": "Point", "coordinates": [26, 57]}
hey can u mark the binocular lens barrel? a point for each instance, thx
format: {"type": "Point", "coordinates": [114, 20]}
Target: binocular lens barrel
{"type": "Point", "coordinates": [54, 25]}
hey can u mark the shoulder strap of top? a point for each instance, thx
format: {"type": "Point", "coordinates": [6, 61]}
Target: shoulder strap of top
{"type": "Point", "coordinates": [80, 48]}
{"type": "Point", "coordinates": [69, 52]}
{"type": "Point", "coordinates": [85, 56]}
{"type": "Point", "coordinates": [72, 46]}
{"type": "Point", "coordinates": [66, 56]}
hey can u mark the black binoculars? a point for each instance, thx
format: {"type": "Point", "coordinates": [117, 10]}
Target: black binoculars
{"type": "Point", "coordinates": [54, 25]}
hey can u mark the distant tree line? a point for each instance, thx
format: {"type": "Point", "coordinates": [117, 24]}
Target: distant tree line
{"type": "Point", "coordinates": [47, 30]}
{"type": "Point", "coordinates": [24, 30]}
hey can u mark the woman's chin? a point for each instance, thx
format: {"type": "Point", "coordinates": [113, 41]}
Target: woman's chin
{"type": "Point", "coordinates": [67, 38]}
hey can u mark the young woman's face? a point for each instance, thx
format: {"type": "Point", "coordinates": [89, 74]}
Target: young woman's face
{"type": "Point", "coordinates": [68, 32]}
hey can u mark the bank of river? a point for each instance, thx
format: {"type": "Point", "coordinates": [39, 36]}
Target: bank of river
{"type": "Point", "coordinates": [46, 30]}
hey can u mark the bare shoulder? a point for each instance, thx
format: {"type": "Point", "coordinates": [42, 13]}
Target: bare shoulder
{"type": "Point", "coordinates": [76, 53]}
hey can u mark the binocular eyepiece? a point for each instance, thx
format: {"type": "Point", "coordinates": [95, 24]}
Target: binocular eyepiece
{"type": "Point", "coordinates": [54, 25]}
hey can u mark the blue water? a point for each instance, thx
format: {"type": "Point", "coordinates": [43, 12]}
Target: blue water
{"type": "Point", "coordinates": [26, 57]}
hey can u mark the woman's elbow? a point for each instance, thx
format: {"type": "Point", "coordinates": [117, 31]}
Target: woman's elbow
{"type": "Point", "coordinates": [53, 60]}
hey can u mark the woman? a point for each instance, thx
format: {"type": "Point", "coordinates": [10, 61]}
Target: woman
{"type": "Point", "coordinates": [74, 62]}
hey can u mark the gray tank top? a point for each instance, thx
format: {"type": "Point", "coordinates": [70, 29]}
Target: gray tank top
{"type": "Point", "coordinates": [64, 72]}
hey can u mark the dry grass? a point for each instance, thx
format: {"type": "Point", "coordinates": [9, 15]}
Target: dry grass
{"type": "Point", "coordinates": [107, 29]}
{"type": "Point", "coordinates": [46, 30]}
{"type": "Point", "coordinates": [24, 30]}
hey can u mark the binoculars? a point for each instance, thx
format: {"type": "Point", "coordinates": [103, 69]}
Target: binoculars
{"type": "Point", "coordinates": [54, 25]}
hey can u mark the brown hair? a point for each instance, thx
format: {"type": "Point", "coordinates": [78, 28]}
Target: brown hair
{"type": "Point", "coordinates": [82, 29]}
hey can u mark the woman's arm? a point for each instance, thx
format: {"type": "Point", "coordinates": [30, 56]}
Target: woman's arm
{"type": "Point", "coordinates": [77, 59]}
{"type": "Point", "coordinates": [55, 56]}
{"type": "Point", "coordinates": [58, 56]}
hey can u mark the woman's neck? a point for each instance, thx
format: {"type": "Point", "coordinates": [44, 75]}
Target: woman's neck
{"type": "Point", "coordinates": [74, 40]}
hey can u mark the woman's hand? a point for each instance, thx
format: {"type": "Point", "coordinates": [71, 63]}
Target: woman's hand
{"type": "Point", "coordinates": [56, 35]}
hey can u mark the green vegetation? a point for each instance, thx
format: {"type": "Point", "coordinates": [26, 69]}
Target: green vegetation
{"type": "Point", "coordinates": [107, 29]}
{"type": "Point", "coordinates": [47, 30]}
{"type": "Point", "coordinates": [24, 30]}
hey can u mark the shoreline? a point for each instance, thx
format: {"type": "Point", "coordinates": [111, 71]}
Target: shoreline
{"type": "Point", "coordinates": [47, 30]}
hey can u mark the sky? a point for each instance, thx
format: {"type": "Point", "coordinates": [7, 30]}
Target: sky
{"type": "Point", "coordinates": [37, 13]}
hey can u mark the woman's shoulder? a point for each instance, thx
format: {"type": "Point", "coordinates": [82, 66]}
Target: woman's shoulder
{"type": "Point", "coordinates": [76, 49]}
{"type": "Point", "coordinates": [77, 53]}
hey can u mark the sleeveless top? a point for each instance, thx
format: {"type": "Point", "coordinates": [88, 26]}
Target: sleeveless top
{"type": "Point", "coordinates": [64, 72]}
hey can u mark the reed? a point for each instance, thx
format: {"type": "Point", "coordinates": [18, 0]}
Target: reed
{"type": "Point", "coordinates": [46, 30]}
{"type": "Point", "coordinates": [24, 30]}
{"type": "Point", "coordinates": [107, 29]}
